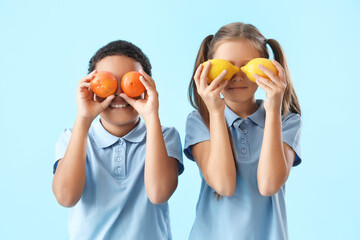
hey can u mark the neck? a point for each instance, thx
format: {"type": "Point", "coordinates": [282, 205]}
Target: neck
{"type": "Point", "coordinates": [119, 130]}
{"type": "Point", "coordinates": [243, 109]}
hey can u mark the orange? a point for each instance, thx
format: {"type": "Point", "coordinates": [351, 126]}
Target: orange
{"type": "Point", "coordinates": [131, 85]}
{"type": "Point", "coordinates": [103, 84]}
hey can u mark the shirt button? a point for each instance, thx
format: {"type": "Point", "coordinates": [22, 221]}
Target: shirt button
{"type": "Point", "coordinates": [119, 169]}
{"type": "Point", "coordinates": [243, 140]}
{"type": "Point", "coordinates": [246, 122]}
{"type": "Point", "coordinates": [119, 159]}
{"type": "Point", "coordinates": [243, 150]}
{"type": "Point", "coordinates": [245, 131]}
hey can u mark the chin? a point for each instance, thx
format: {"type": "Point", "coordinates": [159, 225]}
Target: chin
{"type": "Point", "coordinates": [120, 117]}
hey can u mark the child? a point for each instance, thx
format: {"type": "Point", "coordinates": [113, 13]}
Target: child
{"type": "Point", "coordinates": [118, 172]}
{"type": "Point", "coordinates": [244, 156]}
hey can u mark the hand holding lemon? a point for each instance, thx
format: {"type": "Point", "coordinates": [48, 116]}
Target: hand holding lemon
{"type": "Point", "coordinates": [251, 68]}
{"type": "Point", "coordinates": [219, 65]}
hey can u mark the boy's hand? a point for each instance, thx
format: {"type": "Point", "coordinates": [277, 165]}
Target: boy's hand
{"type": "Point", "coordinates": [149, 106]}
{"type": "Point", "coordinates": [87, 108]}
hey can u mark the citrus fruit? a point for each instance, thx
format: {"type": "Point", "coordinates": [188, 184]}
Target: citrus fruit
{"type": "Point", "coordinates": [219, 65]}
{"type": "Point", "coordinates": [252, 67]}
{"type": "Point", "coordinates": [131, 84]}
{"type": "Point", "coordinates": [103, 84]}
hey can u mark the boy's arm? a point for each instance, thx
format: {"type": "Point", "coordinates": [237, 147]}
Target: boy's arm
{"type": "Point", "coordinates": [69, 178]}
{"type": "Point", "coordinates": [161, 171]}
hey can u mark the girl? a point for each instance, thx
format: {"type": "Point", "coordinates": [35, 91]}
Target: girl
{"type": "Point", "coordinates": [118, 172]}
{"type": "Point", "coordinates": [244, 147]}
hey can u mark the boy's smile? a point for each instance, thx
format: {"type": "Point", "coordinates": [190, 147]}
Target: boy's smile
{"type": "Point", "coordinates": [120, 117]}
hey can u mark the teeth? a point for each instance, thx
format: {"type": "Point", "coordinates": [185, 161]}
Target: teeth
{"type": "Point", "coordinates": [119, 105]}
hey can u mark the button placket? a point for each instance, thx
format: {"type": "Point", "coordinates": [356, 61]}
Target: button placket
{"type": "Point", "coordinates": [120, 170]}
{"type": "Point", "coordinates": [244, 128]}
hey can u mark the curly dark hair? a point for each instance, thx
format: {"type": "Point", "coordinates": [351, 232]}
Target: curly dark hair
{"type": "Point", "coordinates": [121, 48]}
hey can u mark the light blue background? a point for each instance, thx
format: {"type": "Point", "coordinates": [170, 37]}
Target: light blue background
{"type": "Point", "coordinates": [45, 47]}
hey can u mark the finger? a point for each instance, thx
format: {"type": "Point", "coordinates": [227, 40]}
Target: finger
{"type": "Point", "coordinates": [128, 99]}
{"type": "Point", "coordinates": [89, 77]}
{"type": "Point", "coordinates": [104, 104]}
{"type": "Point", "coordinates": [147, 77]}
{"type": "Point", "coordinates": [197, 75]}
{"type": "Point", "coordinates": [84, 85]}
{"type": "Point", "coordinates": [216, 82]}
{"type": "Point", "coordinates": [203, 75]}
{"type": "Point", "coordinates": [280, 70]}
{"type": "Point", "coordinates": [146, 84]}
{"type": "Point", "coordinates": [273, 77]}
{"type": "Point", "coordinates": [222, 86]}
{"type": "Point", "coordinates": [265, 87]}
{"type": "Point", "coordinates": [264, 82]}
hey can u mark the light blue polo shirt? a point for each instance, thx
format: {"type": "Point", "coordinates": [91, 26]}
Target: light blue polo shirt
{"type": "Point", "coordinates": [114, 204]}
{"type": "Point", "coordinates": [247, 215]}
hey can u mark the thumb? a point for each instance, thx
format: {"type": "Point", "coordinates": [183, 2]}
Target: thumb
{"type": "Point", "coordinates": [128, 99]}
{"type": "Point", "coordinates": [107, 101]}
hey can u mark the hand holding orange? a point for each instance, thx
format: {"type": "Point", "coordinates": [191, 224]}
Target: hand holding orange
{"type": "Point", "coordinates": [103, 84]}
{"type": "Point", "coordinates": [131, 84]}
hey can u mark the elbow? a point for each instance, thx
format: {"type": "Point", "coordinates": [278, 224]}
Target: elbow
{"type": "Point", "coordinates": [157, 200]}
{"type": "Point", "coordinates": [159, 195]}
{"type": "Point", "coordinates": [65, 199]}
{"type": "Point", "coordinates": [267, 190]}
{"type": "Point", "coordinates": [225, 188]}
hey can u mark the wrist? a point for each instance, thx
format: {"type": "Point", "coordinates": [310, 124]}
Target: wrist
{"type": "Point", "coordinates": [83, 121]}
{"type": "Point", "coordinates": [273, 114]}
{"type": "Point", "coordinates": [151, 119]}
{"type": "Point", "coordinates": [217, 113]}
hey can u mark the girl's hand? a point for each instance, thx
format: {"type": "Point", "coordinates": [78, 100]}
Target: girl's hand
{"type": "Point", "coordinates": [210, 93]}
{"type": "Point", "coordinates": [86, 106]}
{"type": "Point", "coordinates": [149, 106]}
{"type": "Point", "coordinates": [274, 88]}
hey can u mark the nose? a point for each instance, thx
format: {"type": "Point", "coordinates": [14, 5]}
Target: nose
{"type": "Point", "coordinates": [118, 90]}
{"type": "Point", "coordinates": [239, 76]}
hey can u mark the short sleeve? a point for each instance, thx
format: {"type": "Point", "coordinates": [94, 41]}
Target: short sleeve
{"type": "Point", "coordinates": [196, 131]}
{"type": "Point", "coordinates": [291, 133]}
{"type": "Point", "coordinates": [61, 146]}
{"type": "Point", "coordinates": [173, 146]}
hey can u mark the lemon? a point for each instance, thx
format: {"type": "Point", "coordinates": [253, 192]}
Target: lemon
{"type": "Point", "coordinates": [252, 67]}
{"type": "Point", "coordinates": [219, 65]}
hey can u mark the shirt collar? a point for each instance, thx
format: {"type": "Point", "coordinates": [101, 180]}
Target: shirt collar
{"type": "Point", "coordinates": [105, 139]}
{"type": "Point", "coordinates": [257, 117]}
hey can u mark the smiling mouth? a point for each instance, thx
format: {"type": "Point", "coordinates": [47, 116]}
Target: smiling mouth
{"type": "Point", "coordinates": [119, 106]}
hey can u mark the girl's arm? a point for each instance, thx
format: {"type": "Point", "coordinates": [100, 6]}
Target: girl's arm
{"type": "Point", "coordinates": [214, 157]}
{"type": "Point", "coordinates": [161, 171]}
{"type": "Point", "coordinates": [69, 178]}
{"type": "Point", "coordinates": [276, 157]}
